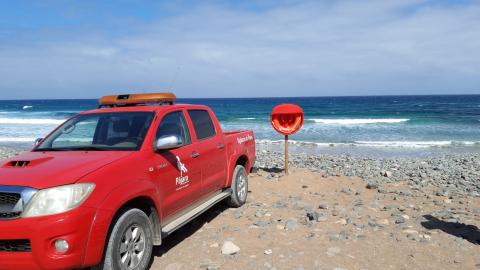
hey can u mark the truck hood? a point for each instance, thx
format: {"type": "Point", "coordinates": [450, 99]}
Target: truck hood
{"type": "Point", "coordinates": [48, 169]}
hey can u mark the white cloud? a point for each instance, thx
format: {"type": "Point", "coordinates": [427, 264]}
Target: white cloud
{"type": "Point", "coordinates": [315, 48]}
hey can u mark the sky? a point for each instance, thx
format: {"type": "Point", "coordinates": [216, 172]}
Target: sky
{"type": "Point", "coordinates": [202, 49]}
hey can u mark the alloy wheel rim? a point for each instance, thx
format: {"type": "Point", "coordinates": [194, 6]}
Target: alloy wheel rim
{"type": "Point", "coordinates": [132, 247]}
{"type": "Point", "coordinates": [242, 187]}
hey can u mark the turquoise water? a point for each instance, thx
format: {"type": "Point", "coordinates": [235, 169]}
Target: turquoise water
{"type": "Point", "coordinates": [405, 122]}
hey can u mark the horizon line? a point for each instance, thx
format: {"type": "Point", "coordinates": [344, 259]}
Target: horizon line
{"type": "Point", "coordinates": [265, 97]}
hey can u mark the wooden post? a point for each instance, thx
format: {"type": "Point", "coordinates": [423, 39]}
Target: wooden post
{"type": "Point", "coordinates": [286, 154]}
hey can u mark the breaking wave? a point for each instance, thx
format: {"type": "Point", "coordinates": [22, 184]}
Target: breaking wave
{"type": "Point", "coordinates": [17, 139]}
{"type": "Point", "coordinates": [365, 121]}
{"type": "Point", "coordinates": [31, 121]}
{"type": "Point", "coordinates": [417, 144]}
{"type": "Point", "coordinates": [386, 144]}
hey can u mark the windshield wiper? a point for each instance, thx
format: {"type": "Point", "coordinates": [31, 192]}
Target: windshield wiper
{"type": "Point", "coordinates": [50, 149]}
{"type": "Point", "coordinates": [89, 148]}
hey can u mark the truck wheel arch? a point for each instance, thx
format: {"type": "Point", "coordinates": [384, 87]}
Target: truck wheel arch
{"type": "Point", "coordinates": [147, 205]}
{"type": "Point", "coordinates": [106, 217]}
{"type": "Point", "coordinates": [240, 160]}
{"type": "Point", "coordinates": [243, 160]}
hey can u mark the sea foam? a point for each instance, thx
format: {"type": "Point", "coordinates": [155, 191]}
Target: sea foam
{"type": "Point", "coordinates": [416, 144]}
{"type": "Point", "coordinates": [359, 121]}
{"type": "Point", "coordinates": [17, 139]}
{"type": "Point", "coordinates": [375, 144]}
{"type": "Point", "coordinates": [31, 121]}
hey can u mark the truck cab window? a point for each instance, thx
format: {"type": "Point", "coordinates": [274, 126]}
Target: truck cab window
{"type": "Point", "coordinates": [174, 124]}
{"type": "Point", "coordinates": [119, 131]}
{"type": "Point", "coordinates": [202, 122]}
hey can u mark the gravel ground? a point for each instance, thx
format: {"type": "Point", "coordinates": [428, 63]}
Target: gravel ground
{"type": "Point", "coordinates": [308, 221]}
{"type": "Point", "coordinates": [339, 212]}
{"type": "Point", "coordinates": [7, 152]}
{"type": "Point", "coordinates": [453, 174]}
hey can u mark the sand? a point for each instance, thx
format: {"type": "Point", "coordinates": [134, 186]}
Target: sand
{"type": "Point", "coordinates": [358, 228]}
{"type": "Point", "coordinates": [312, 220]}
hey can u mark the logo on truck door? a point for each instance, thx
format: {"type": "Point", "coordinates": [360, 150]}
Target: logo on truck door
{"type": "Point", "coordinates": [245, 139]}
{"type": "Point", "coordinates": [181, 181]}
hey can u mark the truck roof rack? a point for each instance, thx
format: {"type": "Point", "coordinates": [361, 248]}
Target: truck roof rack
{"type": "Point", "coordinates": [137, 99]}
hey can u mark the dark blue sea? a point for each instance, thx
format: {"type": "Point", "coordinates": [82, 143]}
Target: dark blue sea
{"type": "Point", "coordinates": [373, 124]}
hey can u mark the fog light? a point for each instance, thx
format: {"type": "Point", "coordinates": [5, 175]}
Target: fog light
{"type": "Point", "coordinates": [61, 245]}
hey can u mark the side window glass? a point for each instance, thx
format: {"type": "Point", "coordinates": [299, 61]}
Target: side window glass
{"type": "Point", "coordinates": [202, 122]}
{"type": "Point", "coordinates": [174, 124]}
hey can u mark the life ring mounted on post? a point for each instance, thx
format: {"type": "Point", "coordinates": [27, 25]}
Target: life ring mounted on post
{"type": "Point", "coordinates": [287, 119]}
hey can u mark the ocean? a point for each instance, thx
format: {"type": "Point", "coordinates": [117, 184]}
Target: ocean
{"type": "Point", "coordinates": [368, 125]}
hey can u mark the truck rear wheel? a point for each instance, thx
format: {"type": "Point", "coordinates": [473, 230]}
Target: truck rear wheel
{"type": "Point", "coordinates": [130, 244]}
{"type": "Point", "coordinates": [239, 187]}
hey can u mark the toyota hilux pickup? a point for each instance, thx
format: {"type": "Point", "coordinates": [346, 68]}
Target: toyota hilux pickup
{"type": "Point", "coordinates": [109, 184]}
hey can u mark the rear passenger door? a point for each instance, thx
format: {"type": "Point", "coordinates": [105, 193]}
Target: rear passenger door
{"type": "Point", "coordinates": [178, 173]}
{"type": "Point", "coordinates": [211, 149]}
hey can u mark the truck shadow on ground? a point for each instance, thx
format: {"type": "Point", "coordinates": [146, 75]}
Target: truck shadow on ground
{"type": "Point", "coordinates": [188, 230]}
{"type": "Point", "coordinates": [470, 233]}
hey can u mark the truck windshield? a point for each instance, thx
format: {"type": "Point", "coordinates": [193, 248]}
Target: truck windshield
{"type": "Point", "coordinates": [121, 131]}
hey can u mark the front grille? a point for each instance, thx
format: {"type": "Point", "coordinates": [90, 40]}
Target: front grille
{"type": "Point", "coordinates": [10, 215]}
{"type": "Point", "coordinates": [13, 200]}
{"type": "Point", "coordinates": [15, 246]}
{"type": "Point", "coordinates": [8, 201]}
{"type": "Point", "coordinates": [9, 198]}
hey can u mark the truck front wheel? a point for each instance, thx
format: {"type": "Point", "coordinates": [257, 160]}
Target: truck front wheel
{"type": "Point", "coordinates": [239, 187]}
{"type": "Point", "coordinates": [130, 244]}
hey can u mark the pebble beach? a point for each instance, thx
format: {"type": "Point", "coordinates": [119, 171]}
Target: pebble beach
{"type": "Point", "coordinates": [339, 212]}
{"type": "Point", "coordinates": [451, 173]}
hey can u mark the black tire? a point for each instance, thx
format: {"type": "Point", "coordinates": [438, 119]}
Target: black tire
{"type": "Point", "coordinates": [126, 225]}
{"type": "Point", "coordinates": [239, 187]}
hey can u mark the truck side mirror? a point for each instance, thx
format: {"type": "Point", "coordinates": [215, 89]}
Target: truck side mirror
{"type": "Point", "coordinates": [168, 142]}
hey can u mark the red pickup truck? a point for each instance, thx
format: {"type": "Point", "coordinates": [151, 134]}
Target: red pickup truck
{"type": "Point", "coordinates": [108, 184]}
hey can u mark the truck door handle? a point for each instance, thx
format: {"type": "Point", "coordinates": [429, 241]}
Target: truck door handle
{"type": "Point", "coordinates": [195, 155]}
{"type": "Point", "coordinates": [220, 146]}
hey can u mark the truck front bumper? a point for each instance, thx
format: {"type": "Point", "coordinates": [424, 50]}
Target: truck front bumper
{"type": "Point", "coordinates": [29, 243]}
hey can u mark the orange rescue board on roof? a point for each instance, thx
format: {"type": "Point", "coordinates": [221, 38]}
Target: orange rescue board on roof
{"type": "Point", "coordinates": [287, 119]}
{"type": "Point", "coordinates": [138, 99]}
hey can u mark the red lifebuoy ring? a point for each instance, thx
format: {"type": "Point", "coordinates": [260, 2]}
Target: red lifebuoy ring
{"type": "Point", "coordinates": [287, 119]}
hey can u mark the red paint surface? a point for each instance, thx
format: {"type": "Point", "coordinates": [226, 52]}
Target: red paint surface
{"type": "Point", "coordinates": [119, 177]}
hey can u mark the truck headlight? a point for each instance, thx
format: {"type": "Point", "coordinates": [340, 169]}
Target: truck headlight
{"type": "Point", "coordinates": [57, 200]}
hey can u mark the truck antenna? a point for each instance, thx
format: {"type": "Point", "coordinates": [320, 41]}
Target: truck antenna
{"type": "Point", "coordinates": [177, 71]}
